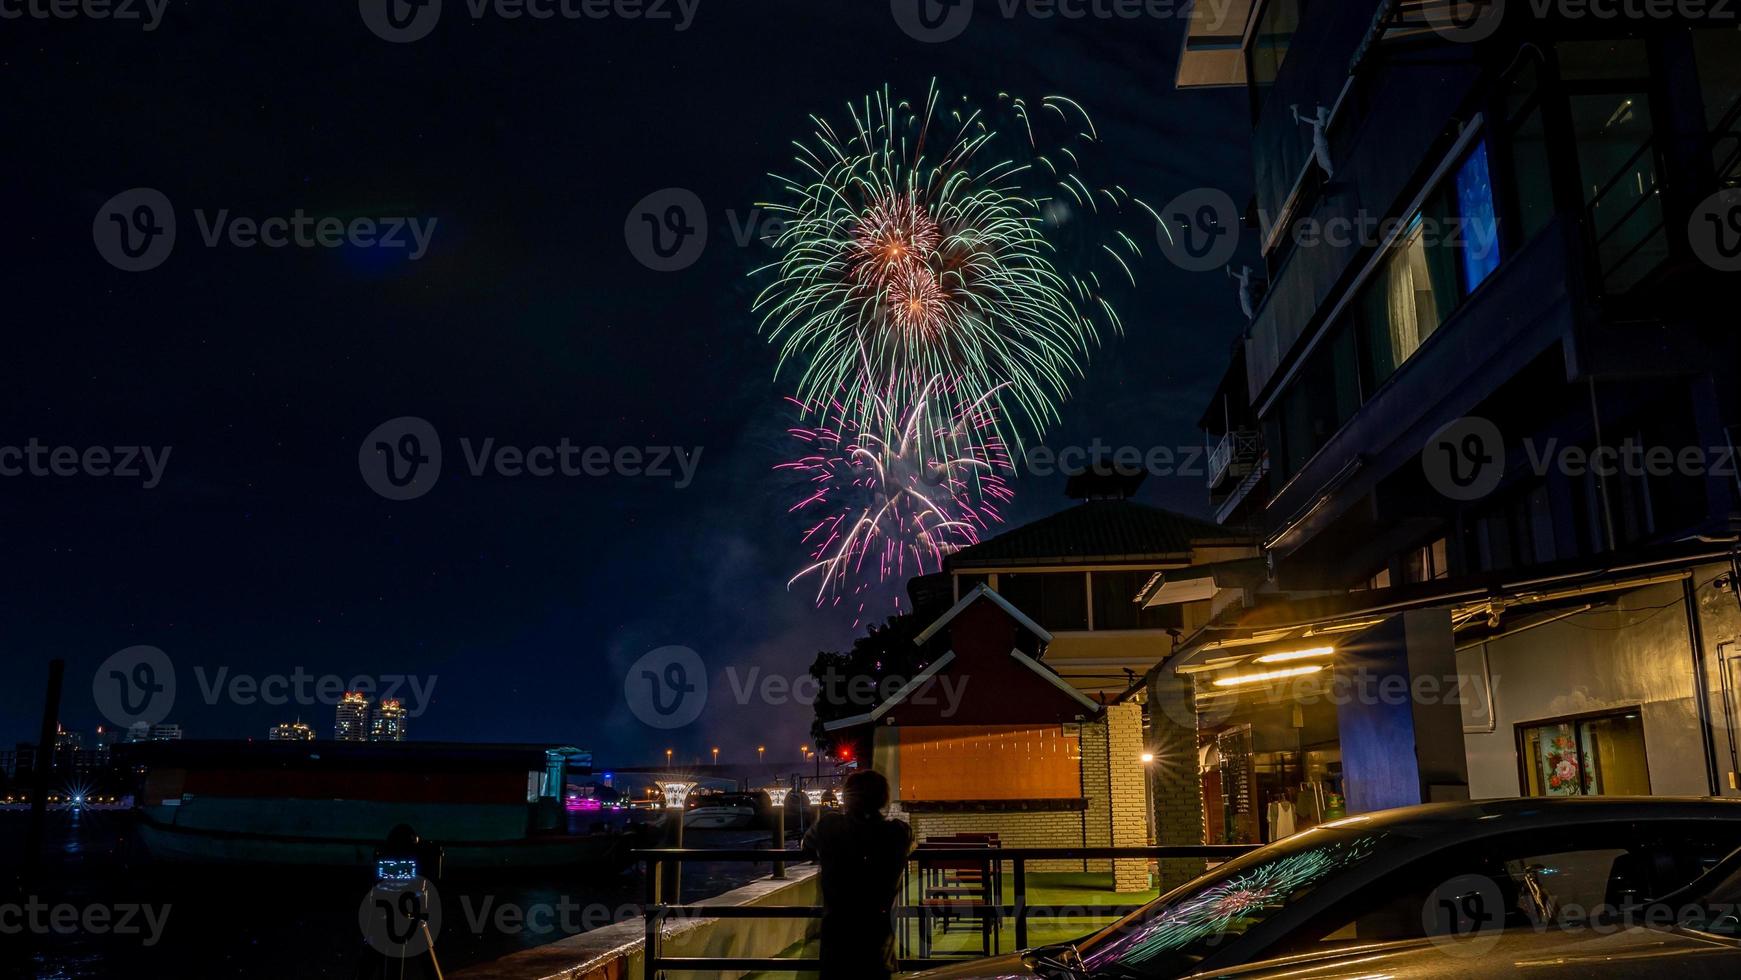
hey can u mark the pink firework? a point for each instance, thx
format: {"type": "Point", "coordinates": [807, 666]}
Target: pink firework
{"type": "Point", "coordinates": [892, 498]}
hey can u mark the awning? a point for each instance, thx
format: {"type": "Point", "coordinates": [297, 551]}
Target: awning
{"type": "Point", "coordinates": [1200, 582]}
{"type": "Point", "coordinates": [1213, 55]}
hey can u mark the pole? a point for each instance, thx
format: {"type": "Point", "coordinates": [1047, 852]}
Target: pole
{"type": "Point", "coordinates": [42, 765]}
{"type": "Point", "coordinates": [677, 866]}
{"type": "Point", "coordinates": [780, 837]}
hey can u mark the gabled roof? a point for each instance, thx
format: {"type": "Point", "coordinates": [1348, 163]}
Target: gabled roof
{"type": "Point", "coordinates": [968, 600]}
{"type": "Point", "coordinates": [1026, 662]}
{"type": "Point", "coordinates": [1093, 531]}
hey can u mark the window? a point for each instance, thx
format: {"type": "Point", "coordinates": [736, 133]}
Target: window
{"type": "Point", "coordinates": [1561, 874]}
{"type": "Point", "coordinates": [1167, 938]}
{"type": "Point", "coordinates": [1055, 600]}
{"type": "Point", "coordinates": [1718, 53]}
{"type": "Point", "coordinates": [1596, 755]}
{"type": "Point", "coordinates": [1115, 606]}
{"type": "Point", "coordinates": [1479, 229]}
{"type": "Point", "coordinates": [1269, 46]}
{"type": "Point", "coordinates": [1428, 563]}
{"type": "Point", "coordinates": [1607, 82]}
{"type": "Point", "coordinates": [1531, 174]}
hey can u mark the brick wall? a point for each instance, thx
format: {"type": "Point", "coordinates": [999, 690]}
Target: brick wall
{"type": "Point", "coordinates": [1097, 790]}
{"type": "Point", "coordinates": [1178, 792]}
{"type": "Point", "coordinates": [1128, 794]}
{"type": "Point", "coordinates": [1059, 828]}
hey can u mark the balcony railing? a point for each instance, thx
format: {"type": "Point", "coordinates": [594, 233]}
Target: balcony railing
{"type": "Point", "coordinates": [1018, 913]}
{"type": "Point", "coordinates": [1234, 456]}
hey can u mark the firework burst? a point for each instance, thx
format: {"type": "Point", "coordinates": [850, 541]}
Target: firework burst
{"type": "Point", "coordinates": [884, 508]}
{"type": "Point", "coordinates": [919, 244]}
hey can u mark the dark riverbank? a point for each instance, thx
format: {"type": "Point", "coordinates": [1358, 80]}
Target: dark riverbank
{"type": "Point", "coordinates": [98, 910]}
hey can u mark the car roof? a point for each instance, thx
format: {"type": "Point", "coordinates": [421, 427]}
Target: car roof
{"type": "Point", "coordinates": [1489, 816]}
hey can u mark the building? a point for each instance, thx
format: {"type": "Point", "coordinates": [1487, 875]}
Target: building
{"type": "Point", "coordinates": [295, 731]}
{"type": "Point", "coordinates": [141, 731]}
{"type": "Point", "coordinates": [389, 722]}
{"type": "Point", "coordinates": [987, 739]}
{"type": "Point", "coordinates": [353, 718]}
{"type": "Point", "coordinates": [1485, 435]}
{"type": "Point", "coordinates": [1079, 573]}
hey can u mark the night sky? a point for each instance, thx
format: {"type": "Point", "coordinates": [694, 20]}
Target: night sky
{"type": "Point", "coordinates": [528, 321]}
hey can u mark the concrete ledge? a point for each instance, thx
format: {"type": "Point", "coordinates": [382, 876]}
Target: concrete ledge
{"type": "Point", "coordinates": [616, 952]}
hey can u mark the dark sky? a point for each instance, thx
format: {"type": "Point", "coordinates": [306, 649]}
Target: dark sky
{"type": "Point", "coordinates": [528, 320]}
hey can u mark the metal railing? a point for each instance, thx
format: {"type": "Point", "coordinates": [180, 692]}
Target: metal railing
{"type": "Point", "coordinates": [658, 912]}
{"type": "Point", "coordinates": [1233, 455]}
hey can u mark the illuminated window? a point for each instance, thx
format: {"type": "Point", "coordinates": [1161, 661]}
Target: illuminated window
{"type": "Point", "coordinates": [1599, 755]}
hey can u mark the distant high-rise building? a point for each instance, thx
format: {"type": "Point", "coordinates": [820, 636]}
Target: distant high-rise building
{"type": "Point", "coordinates": [65, 741]}
{"type": "Point", "coordinates": [389, 724]}
{"type": "Point", "coordinates": [353, 718]}
{"type": "Point", "coordinates": [295, 731]}
{"type": "Point", "coordinates": [146, 732]}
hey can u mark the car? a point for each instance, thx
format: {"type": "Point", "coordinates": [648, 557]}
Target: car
{"type": "Point", "coordinates": [1694, 934]}
{"type": "Point", "coordinates": [1452, 876]}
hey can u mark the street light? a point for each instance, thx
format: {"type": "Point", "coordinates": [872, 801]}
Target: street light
{"type": "Point", "coordinates": [777, 796]}
{"type": "Point", "coordinates": [716, 755]}
{"type": "Point", "coordinates": [676, 795]}
{"type": "Point", "coordinates": [667, 757]}
{"type": "Point", "coordinates": [759, 750]}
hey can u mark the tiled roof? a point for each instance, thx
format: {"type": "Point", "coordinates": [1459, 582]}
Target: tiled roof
{"type": "Point", "coordinates": [1094, 530]}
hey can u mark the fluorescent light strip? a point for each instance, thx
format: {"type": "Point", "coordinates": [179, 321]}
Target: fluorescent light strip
{"type": "Point", "coordinates": [1282, 658]}
{"type": "Point", "coordinates": [1240, 680]}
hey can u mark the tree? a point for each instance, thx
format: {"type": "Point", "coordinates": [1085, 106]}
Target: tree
{"type": "Point", "coordinates": [852, 683]}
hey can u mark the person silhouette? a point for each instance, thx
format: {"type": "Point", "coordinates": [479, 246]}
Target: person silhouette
{"type": "Point", "coordinates": [862, 855]}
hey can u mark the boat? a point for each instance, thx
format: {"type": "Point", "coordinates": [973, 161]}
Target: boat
{"type": "Point", "coordinates": [720, 811]}
{"type": "Point", "coordinates": [332, 805]}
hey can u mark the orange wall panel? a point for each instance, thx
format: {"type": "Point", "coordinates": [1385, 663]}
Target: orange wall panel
{"type": "Point", "coordinates": [1006, 762]}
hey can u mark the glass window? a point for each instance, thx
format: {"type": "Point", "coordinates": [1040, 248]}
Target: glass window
{"type": "Point", "coordinates": [1601, 755]}
{"type": "Point", "coordinates": [1479, 228]}
{"type": "Point", "coordinates": [1718, 53]}
{"type": "Point", "coordinates": [1399, 306]}
{"type": "Point", "coordinates": [1613, 129]}
{"type": "Point", "coordinates": [1055, 600]}
{"type": "Point", "coordinates": [1560, 875]}
{"type": "Point", "coordinates": [1269, 46]}
{"type": "Point", "coordinates": [1168, 937]}
{"type": "Point", "coordinates": [1116, 608]}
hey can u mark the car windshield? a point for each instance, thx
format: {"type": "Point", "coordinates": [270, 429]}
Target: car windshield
{"type": "Point", "coordinates": [1181, 929]}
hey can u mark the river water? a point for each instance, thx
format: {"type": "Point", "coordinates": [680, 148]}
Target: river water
{"type": "Point", "coordinates": [97, 911]}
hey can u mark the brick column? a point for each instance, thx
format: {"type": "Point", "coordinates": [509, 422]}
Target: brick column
{"type": "Point", "coordinates": [1130, 827]}
{"type": "Point", "coordinates": [1178, 792]}
{"type": "Point", "coordinates": [1097, 790]}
